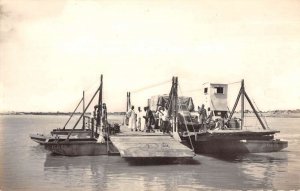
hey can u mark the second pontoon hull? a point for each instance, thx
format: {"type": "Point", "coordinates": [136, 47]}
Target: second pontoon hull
{"type": "Point", "coordinates": [82, 148]}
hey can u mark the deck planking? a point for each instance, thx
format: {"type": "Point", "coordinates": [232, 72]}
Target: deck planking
{"type": "Point", "coordinates": [137, 144]}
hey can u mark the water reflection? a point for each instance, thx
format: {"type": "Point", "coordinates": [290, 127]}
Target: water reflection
{"type": "Point", "coordinates": [259, 169]}
{"type": "Point", "coordinates": [250, 171]}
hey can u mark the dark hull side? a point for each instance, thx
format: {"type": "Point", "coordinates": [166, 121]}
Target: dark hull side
{"type": "Point", "coordinates": [48, 139]}
{"type": "Point", "coordinates": [82, 148]}
{"type": "Point", "coordinates": [237, 146]}
{"type": "Point", "coordinates": [75, 132]}
{"type": "Point", "coordinates": [38, 138]}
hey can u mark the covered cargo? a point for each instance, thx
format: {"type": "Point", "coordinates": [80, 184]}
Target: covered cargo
{"type": "Point", "coordinates": [184, 103]}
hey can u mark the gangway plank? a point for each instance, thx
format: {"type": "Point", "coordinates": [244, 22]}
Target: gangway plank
{"type": "Point", "coordinates": [154, 146]}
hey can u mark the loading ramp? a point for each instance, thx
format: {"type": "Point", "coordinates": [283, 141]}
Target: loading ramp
{"type": "Point", "coordinates": [150, 146]}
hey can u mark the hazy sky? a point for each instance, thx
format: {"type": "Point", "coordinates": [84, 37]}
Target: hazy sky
{"type": "Point", "coordinates": [52, 50]}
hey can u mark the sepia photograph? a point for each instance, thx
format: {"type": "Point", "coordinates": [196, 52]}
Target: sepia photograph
{"type": "Point", "coordinates": [137, 95]}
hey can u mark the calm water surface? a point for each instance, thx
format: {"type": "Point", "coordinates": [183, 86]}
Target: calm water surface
{"type": "Point", "coordinates": [25, 165]}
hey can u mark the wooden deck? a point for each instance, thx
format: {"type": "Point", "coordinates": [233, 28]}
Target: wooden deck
{"type": "Point", "coordinates": [136, 144]}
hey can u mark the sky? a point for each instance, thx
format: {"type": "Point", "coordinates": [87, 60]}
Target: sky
{"type": "Point", "coordinates": [52, 50]}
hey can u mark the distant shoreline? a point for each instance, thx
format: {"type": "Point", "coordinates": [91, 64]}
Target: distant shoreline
{"type": "Point", "coordinates": [275, 114]}
{"type": "Point", "coordinates": [56, 113]}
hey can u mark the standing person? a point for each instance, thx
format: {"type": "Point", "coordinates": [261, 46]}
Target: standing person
{"type": "Point", "coordinates": [143, 119]}
{"type": "Point", "coordinates": [202, 117]}
{"type": "Point", "coordinates": [209, 118]}
{"type": "Point", "coordinates": [139, 119]}
{"type": "Point", "coordinates": [149, 120]}
{"type": "Point", "coordinates": [165, 121]}
{"type": "Point", "coordinates": [159, 113]}
{"type": "Point", "coordinates": [132, 119]}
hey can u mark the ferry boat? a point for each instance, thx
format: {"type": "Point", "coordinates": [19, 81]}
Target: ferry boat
{"type": "Point", "coordinates": [220, 132]}
{"type": "Point", "coordinates": [127, 144]}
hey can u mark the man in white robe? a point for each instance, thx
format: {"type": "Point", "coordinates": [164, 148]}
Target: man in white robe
{"type": "Point", "coordinates": [132, 119]}
{"type": "Point", "coordinates": [139, 119]}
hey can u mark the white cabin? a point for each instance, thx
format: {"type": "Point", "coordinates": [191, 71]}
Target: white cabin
{"type": "Point", "coordinates": [215, 98]}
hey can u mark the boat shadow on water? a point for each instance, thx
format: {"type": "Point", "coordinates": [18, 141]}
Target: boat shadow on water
{"type": "Point", "coordinates": [161, 161]}
{"type": "Point", "coordinates": [56, 161]}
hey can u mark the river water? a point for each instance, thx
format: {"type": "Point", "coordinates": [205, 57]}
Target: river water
{"type": "Point", "coordinates": [25, 165]}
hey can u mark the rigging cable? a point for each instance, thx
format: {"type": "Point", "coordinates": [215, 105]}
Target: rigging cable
{"type": "Point", "coordinates": [189, 112]}
{"type": "Point", "coordinates": [198, 89]}
{"type": "Point", "coordinates": [186, 123]}
{"type": "Point", "coordinates": [150, 86]}
{"type": "Point", "coordinates": [234, 82]}
{"type": "Point", "coordinates": [261, 114]}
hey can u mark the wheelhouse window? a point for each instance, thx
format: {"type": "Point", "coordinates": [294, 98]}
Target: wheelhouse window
{"type": "Point", "coordinates": [205, 90]}
{"type": "Point", "coordinates": [219, 90]}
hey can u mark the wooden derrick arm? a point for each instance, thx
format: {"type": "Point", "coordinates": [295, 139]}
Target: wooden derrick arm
{"type": "Point", "coordinates": [73, 113]}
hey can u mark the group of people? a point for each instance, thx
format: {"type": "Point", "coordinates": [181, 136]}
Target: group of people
{"type": "Point", "coordinates": [140, 120]}
{"type": "Point", "coordinates": [145, 120]}
{"type": "Point", "coordinates": [163, 119]}
{"type": "Point", "coordinates": [206, 120]}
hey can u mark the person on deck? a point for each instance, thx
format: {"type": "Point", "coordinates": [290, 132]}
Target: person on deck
{"type": "Point", "coordinates": [143, 121]}
{"type": "Point", "coordinates": [149, 118]}
{"type": "Point", "coordinates": [159, 113]}
{"type": "Point", "coordinates": [209, 118]}
{"type": "Point", "coordinates": [165, 121]}
{"type": "Point", "coordinates": [139, 119]}
{"type": "Point", "coordinates": [202, 117]}
{"type": "Point", "coordinates": [132, 119]}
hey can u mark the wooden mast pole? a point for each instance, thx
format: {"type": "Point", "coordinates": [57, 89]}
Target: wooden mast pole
{"type": "Point", "coordinates": [175, 102]}
{"type": "Point", "coordinates": [242, 103]}
{"type": "Point", "coordinates": [127, 101]}
{"type": "Point", "coordinates": [83, 107]}
{"type": "Point", "coordinates": [99, 113]}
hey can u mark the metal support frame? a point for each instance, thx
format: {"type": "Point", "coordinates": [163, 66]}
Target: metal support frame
{"type": "Point", "coordinates": [242, 103]}
{"type": "Point", "coordinates": [175, 102]}
{"type": "Point", "coordinates": [98, 90]}
{"type": "Point", "coordinates": [172, 105]}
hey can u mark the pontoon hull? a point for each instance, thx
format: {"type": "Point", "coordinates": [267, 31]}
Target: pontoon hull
{"type": "Point", "coordinates": [82, 148]}
{"type": "Point", "coordinates": [49, 139]}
